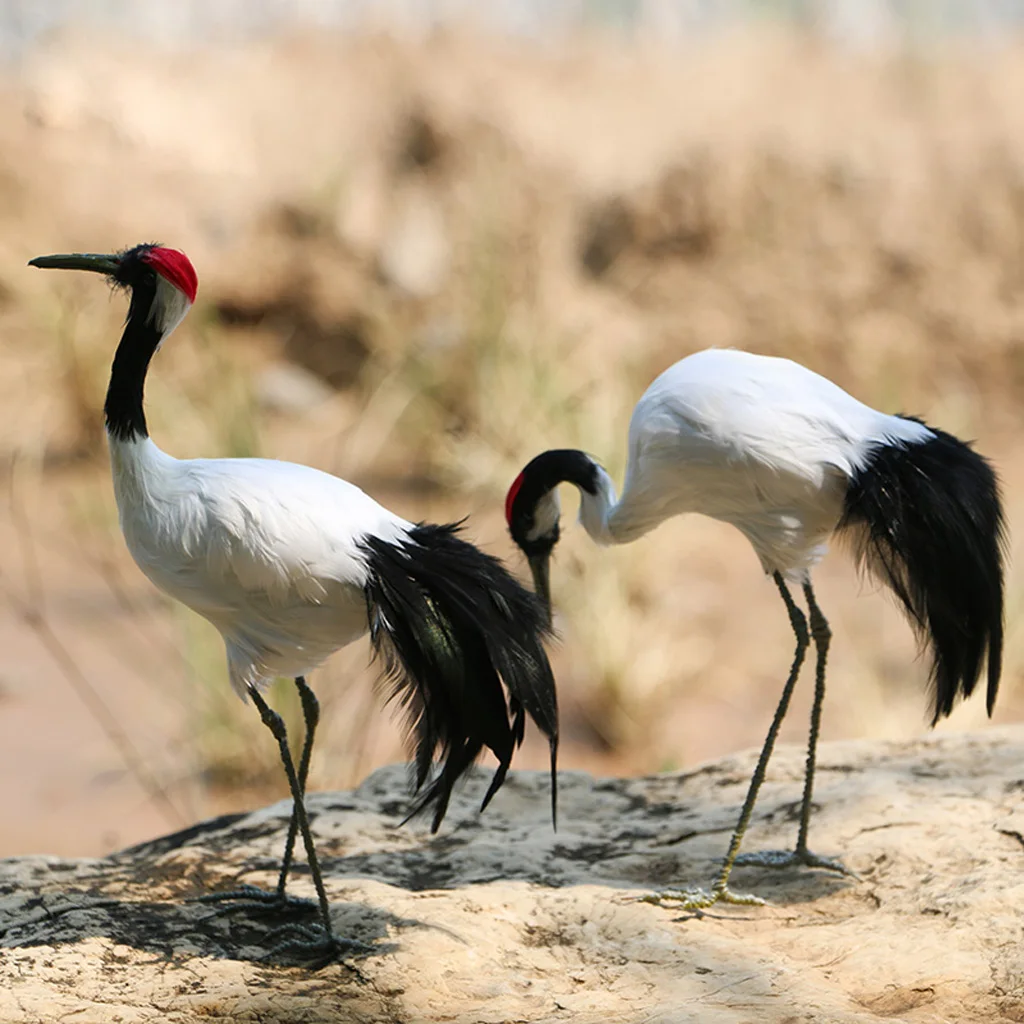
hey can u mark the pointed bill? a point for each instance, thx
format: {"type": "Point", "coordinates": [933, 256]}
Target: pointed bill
{"type": "Point", "coordinates": [100, 263]}
{"type": "Point", "coordinates": [539, 567]}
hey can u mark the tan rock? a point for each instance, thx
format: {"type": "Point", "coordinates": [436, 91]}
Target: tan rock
{"type": "Point", "coordinates": [498, 918]}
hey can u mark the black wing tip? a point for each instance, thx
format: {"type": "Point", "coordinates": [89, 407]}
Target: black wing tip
{"type": "Point", "coordinates": [451, 625]}
{"type": "Point", "coordinates": [929, 523]}
{"type": "Point", "coordinates": [554, 783]}
{"type": "Point", "coordinates": [995, 666]}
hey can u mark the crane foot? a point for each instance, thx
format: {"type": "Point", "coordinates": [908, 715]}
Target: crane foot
{"type": "Point", "coordinates": [251, 896]}
{"type": "Point", "coordinates": [699, 899]}
{"type": "Point", "coordinates": [791, 858]}
{"type": "Point", "coordinates": [314, 947]}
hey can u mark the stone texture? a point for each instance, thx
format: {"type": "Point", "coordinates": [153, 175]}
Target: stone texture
{"type": "Point", "coordinates": [499, 919]}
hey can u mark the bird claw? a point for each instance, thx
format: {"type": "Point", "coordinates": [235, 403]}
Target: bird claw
{"type": "Point", "coordinates": [315, 946]}
{"type": "Point", "coordinates": [699, 899]}
{"type": "Point", "coordinates": [264, 899]}
{"type": "Point", "coordinates": [790, 858]}
{"type": "Point", "coordinates": [310, 944]}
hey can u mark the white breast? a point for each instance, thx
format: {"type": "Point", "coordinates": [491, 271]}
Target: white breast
{"type": "Point", "coordinates": [267, 551]}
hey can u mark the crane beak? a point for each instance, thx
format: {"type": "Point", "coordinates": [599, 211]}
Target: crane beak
{"type": "Point", "coordinates": [96, 262]}
{"type": "Point", "coordinates": [541, 580]}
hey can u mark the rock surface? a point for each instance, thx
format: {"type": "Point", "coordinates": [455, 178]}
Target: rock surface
{"type": "Point", "coordinates": [497, 918]}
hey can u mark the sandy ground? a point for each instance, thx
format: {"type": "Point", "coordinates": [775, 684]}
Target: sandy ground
{"type": "Point", "coordinates": [497, 918]}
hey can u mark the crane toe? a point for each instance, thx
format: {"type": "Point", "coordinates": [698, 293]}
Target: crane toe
{"type": "Point", "coordinates": [791, 858]}
{"type": "Point", "coordinates": [252, 896]}
{"type": "Point", "coordinates": [697, 900]}
{"type": "Point", "coordinates": [313, 946]}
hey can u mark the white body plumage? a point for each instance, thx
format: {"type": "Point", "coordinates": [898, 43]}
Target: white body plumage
{"type": "Point", "coordinates": [756, 441]}
{"type": "Point", "coordinates": [267, 551]}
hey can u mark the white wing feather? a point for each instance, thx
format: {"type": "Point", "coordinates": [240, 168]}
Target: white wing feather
{"type": "Point", "coordinates": [760, 442]}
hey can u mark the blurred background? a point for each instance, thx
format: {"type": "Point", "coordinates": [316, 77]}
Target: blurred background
{"type": "Point", "coordinates": [433, 239]}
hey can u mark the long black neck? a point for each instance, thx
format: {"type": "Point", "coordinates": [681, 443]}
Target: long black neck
{"type": "Point", "coordinates": [125, 417]}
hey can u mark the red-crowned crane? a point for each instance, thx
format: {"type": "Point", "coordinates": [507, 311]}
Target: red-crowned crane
{"type": "Point", "coordinates": [791, 459]}
{"type": "Point", "coordinates": [291, 564]}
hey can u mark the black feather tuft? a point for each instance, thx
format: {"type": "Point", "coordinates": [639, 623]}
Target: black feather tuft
{"type": "Point", "coordinates": [927, 520]}
{"type": "Point", "coordinates": [451, 624]}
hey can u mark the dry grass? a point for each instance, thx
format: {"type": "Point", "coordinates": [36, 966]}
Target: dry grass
{"type": "Point", "coordinates": [490, 251]}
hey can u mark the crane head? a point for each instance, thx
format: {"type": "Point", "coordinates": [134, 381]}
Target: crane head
{"type": "Point", "coordinates": [533, 509]}
{"type": "Point", "coordinates": [162, 281]}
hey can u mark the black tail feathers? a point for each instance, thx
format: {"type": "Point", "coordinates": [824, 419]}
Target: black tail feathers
{"type": "Point", "coordinates": [927, 520]}
{"type": "Point", "coordinates": [451, 624]}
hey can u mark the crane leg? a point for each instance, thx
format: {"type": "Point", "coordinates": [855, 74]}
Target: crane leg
{"type": "Point", "coordinates": [699, 899]}
{"type": "Point", "coordinates": [822, 635]}
{"type": "Point", "coordinates": [278, 899]}
{"type": "Point", "coordinates": [311, 717]}
{"type": "Point", "coordinates": [321, 941]}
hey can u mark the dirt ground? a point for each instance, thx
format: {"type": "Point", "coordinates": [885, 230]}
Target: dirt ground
{"type": "Point", "coordinates": [498, 918]}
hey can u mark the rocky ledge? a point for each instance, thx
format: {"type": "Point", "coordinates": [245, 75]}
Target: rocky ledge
{"type": "Point", "coordinates": [498, 918]}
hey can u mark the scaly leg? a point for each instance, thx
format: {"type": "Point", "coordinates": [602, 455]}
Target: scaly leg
{"type": "Point", "coordinates": [319, 942]}
{"type": "Point", "coordinates": [802, 855]}
{"type": "Point", "coordinates": [278, 899]}
{"type": "Point", "coordinates": [311, 717]}
{"type": "Point", "coordinates": [699, 899]}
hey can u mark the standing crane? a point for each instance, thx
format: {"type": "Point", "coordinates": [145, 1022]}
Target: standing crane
{"type": "Point", "coordinates": [291, 563]}
{"type": "Point", "coordinates": [791, 460]}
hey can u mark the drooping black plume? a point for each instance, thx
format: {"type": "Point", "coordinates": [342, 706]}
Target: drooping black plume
{"type": "Point", "coordinates": [927, 520]}
{"type": "Point", "coordinates": [451, 624]}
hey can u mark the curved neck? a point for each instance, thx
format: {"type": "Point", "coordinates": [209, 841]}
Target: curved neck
{"type": "Point", "coordinates": [123, 408]}
{"type": "Point", "coordinates": [597, 507]}
{"type": "Point", "coordinates": [535, 495]}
